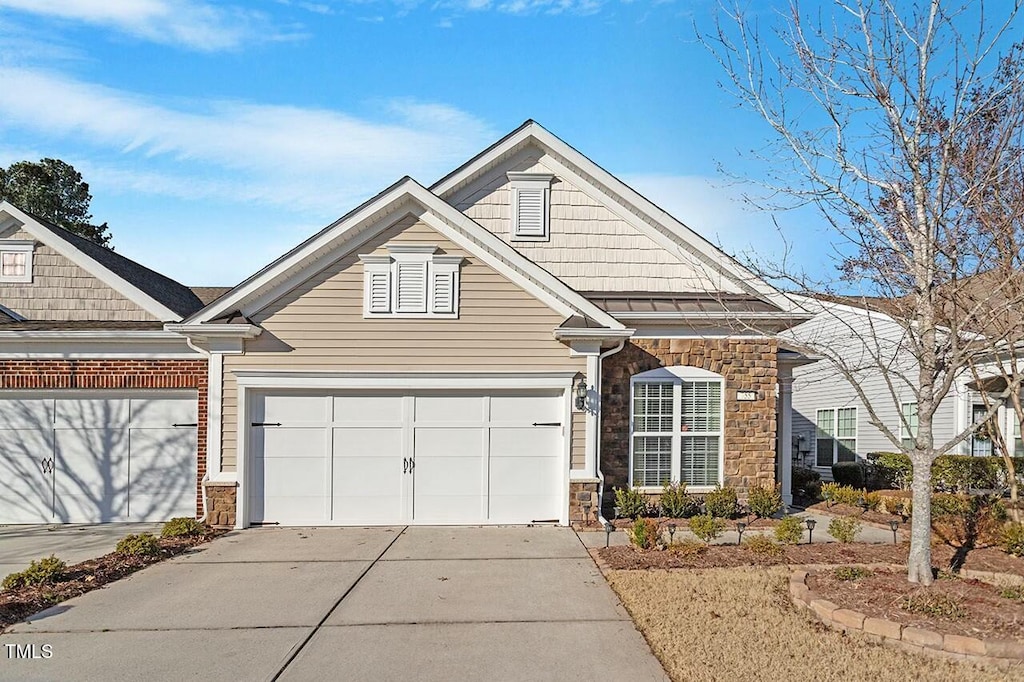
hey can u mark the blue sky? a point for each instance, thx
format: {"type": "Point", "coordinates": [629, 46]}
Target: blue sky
{"type": "Point", "coordinates": [216, 135]}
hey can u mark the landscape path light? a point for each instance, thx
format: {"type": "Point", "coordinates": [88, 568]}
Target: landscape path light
{"type": "Point", "coordinates": [740, 527]}
{"type": "Point", "coordinates": [893, 526]}
{"type": "Point", "coordinates": [609, 528]}
{"type": "Point", "coordinates": [671, 532]}
{"type": "Point", "coordinates": [811, 523]}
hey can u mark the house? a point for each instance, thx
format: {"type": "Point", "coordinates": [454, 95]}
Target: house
{"type": "Point", "coordinates": [504, 346]}
{"type": "Point", "coordinates": [830, 421]}
{"type": "Point", "coordinates": [102, 411]}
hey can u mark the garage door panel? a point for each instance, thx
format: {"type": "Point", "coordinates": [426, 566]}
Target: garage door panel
{"type": "Point", "coordinates": [367, 462]}
{"type": "Point", "coordinates": [91, 476]}
{"type": "Point", "coordinates": [292, 409]}
{"type": "Point", "coordinates": [162, 412]}
{"type": "Point", "coordinates": [91, 413]}
{"type": "Point", "coordinates": [524, 409]}
{"type": "Point", "coordinates": [289, 478]}
{"type": "Point", "coordinates": [25, 413]}
{"type": "Point", "coordinates": [526, 442]}
{"type": "Point", "coordinates": [448, 442]}
{"type": "Point", "coordinates": [526, 475]}
{"type": "Point", "coordinates": [447, 409]}
{"type": "Point", "coordinates": [368, 410]}
{"type": "Point", "coordinates": [161, 478]}
{"type": "Point", "coordinates": [26, 491]}
{"type": "Point", "coordinates": [522, 508]}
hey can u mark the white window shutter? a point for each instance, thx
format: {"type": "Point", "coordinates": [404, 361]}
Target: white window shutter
{"type": "Point", "coordinates": [378, 292]}
{"type": "Point", "coordinates": [530, 218]}
{"type": "Point", "coordinates": [442, 291]}
{"type": "Point", "coordinates": [411, 287]}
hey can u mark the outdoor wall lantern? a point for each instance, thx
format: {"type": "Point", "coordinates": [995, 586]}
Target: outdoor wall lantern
{"type": "Point", "coordinates": [581, 394]}
{"type": "Point", "coordinates": [893, 525]}
{"type": "Point", "coordinates": [811, 523]}
{"type": "Point", "coordinates": [740, 527]}
{"type": "Point", "coordinates": [609, 528]}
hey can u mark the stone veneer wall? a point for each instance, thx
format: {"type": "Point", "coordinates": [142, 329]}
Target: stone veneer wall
{"type": "Point", "coordinates": [221, 500]}
{"type": "Point", "coordinates": [583, 502]}
{"type": "Point", "coordinates": [746, 364]}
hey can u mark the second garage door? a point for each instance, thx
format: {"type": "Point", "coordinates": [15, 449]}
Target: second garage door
{"type": "Point", "coordinates": [387, 458]}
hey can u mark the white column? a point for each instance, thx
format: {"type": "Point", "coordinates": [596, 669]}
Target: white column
{"type": "Point", "coordinates": [592, 408]}
{"type": "Point", "coordinates": [785, 406]}
{"type": "Point", "coordinates": [214, 392]}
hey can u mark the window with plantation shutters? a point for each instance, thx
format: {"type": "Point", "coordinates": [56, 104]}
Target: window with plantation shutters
{"type": "Point", "coordinates": [676, 429]}
{"type": "Point", "coordinates": [530, 195]}
{"type": "Point", "coordinates": [411, 281]}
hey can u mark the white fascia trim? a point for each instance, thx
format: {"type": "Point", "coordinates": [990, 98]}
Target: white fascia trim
{"type": "Point", "coordinates": [403, 380]}
{"type": "Point", "coordinates": [127, 336]}
{"type": "Point", "coordinates": [785, 317]}
{"type": "Point", "coordinates": [216, 331]}
{"type": "Point", "coordinates": [118, 284]}
{"type": "Point", "coordinates": [680, 234]}
{"type": "Point", "coordinates": [590, 333]}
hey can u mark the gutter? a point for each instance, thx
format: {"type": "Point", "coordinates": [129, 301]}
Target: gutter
{"type": "Point", "coordinates": [597, 463]}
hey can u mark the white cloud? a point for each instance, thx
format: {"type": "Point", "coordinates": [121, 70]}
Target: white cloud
{"type": "Point", "coordinates": [303, 158]}
{"type": "Point", "coordinates": [188, 23]}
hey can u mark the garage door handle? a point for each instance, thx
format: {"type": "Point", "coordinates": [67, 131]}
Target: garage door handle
{"type": "Point", "coordinates": [547, 423]}
{"type": "Point", "coordinates": [266, 423]}
{"type": "Point", "coordinates": [196, 424]}
{"type": "Point", "coordinates": [405, 465]}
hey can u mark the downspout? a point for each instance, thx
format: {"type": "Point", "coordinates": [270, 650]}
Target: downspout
{"type": "Point", "coordinates": [206, 474]}
{"type": "Point", "coordinates": [598, 384]}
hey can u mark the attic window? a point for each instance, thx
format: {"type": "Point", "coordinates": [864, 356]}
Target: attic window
{"type": "Point", "coordinates": [16, 261]}
{"type": "Point", "coordinates": [411, 280]}
{"type": "Point", "coordinates": [531, 198]}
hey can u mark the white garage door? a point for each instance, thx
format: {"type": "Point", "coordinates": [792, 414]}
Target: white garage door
{"type": "Point", "coordinates": [92, 457]}
{"type": "Point", "coordinates": [429, 458]}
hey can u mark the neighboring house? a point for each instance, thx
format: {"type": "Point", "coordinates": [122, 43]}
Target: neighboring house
{"type": "Point", "coordinates": [102, 411]}
{"type": "Point", "coordinates": [830, 422]}
{"type": "Point", "coordinates": [502, 347]}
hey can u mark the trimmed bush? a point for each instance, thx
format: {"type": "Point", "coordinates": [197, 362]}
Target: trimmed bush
{"type": "Point", "coordinates": [143, 544]}
{"type": "Point", "coordinates": [789, 530]}
{"type": "Point", "coordinates": [835, 493]}
{"type": "Point", "coordinates": [721, 502]}
{"type": "Point", "coordinates": [889, 470]}
{"type": "Point", "coordinates": [39, 572]}
{"type": "Point", "coordinates": [847, 573]}
{"type": "Point", "coordinates": [631, 502]}
{"type": "Point", "coordinates": [850, 474]}
{"type": "Point", "coordinates": [644, 533]}
{"type": "Point", "coordinates": [1012, 539]}
{"type": "Point", "coordinates": [844, 530]}
{"type": "Point", "coordinates": [765, 501]}
{"type": "Point", "coordinates": [706, 527]}
{"type": "Point", "coordinates": [960, 473]}
{"type": "Point", "coordinates": [182, 526]}
{"type": "Point", "coordinates": [687, 549]}
{"type": "Point", "coordinates": [675, 503]}
{"type": "Point", "coordinates": [806, 483]}
{"type": "Point", "coordinates": [762, 545]}
{"type": "Point", "coordinates": [935, 604]}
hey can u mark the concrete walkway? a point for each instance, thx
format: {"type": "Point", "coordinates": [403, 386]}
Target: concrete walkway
{"type": "Point", "coordinates": [417, 603]}
{"type": "Point", "coordinates": [19, 545]}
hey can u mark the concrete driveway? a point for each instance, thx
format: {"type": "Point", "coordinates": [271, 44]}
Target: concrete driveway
{"type": "Point", "coordinates": [19, 545]}
{"type": "Point", "coordinates": [418, 603]}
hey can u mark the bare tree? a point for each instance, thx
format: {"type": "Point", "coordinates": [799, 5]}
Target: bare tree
{"type": "Point", "coordinates": [872, 104]}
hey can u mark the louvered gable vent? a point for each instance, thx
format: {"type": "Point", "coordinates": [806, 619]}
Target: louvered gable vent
{"type": "Point", "coordinates": [411, 287]}
{"type": "Point", "coordinates": [411, 281]}
{"type": "Point", "coordinates": [530, 194]}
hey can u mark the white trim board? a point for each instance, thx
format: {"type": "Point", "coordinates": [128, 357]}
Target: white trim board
{"type": "Point", "coordinates": [125, 288]}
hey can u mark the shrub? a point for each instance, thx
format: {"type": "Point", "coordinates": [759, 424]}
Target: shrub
{"type": "Point", "coordinates": [644, 533]}
{"type": "Point", "coordinates": [687, 549]}
{"type": "Point", "coordinates": [765, 501]}
{"type": "Point", "coordinates": [39, 572]}
{"type": "Point", "coordinates": [961, 473]}
{"type": "Point", "coordinates": [1012, 539]}
{"type": "Point", "coordinates": [143, 544]}
{"type": "Point", "coordinates": [675, 503]}
{"type": "Point", "coordinates": [842, 494]}
{"type": "Point", "coordinates": [946, 505]}
{"type": "Point", "coordinates": [182, 526]}
{"type": "Point", "coordinates": [889, 470]}
{"type": "Point", "coordinates": [762, 545]}
{"type": "Point", "coordinates": [891, 503]}
{"type": "Point", "coordinates": [721, 502]}
{"type": "Point", "coordinates": [706, 527]}
{"type": "Point", "coordinates": [844, 530]}
{"type": "Point", "coordinates": [631, 502]}
{"type": "Point", "coordinates": [849, 473]}
{"type": "Point", "coordinates": [806, 483]}
{"type": "Point", "coordinates": [850, 573]}
{"type": "Point", "coordinates": [789, 530]}
{"type": "Point", "coordinates": [934, 604]}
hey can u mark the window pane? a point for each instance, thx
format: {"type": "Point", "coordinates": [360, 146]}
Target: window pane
{"type": "Point", "coordinates": [846, 426]}
{"type": "Point", "coordinates": [908, 427]}
{"type": "Point", "coordinates": [701, 406]}
{"type": "Point", "coordinates": [13, 264]}
{"type": "Point", "coordinates": [652, 407]}
{"type": "Point", "coordinates": [823, 442]}
{"type": "Point", "coordinates": [699, 460]}
{"type": "Point", "coordinates": [847, 450]}
{"type": "Point", "coordinates": [652, 460]}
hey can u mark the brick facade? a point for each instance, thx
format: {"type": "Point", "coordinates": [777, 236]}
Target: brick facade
{"type": "Point", "coordinates": [116, 374]}
{"type": "Point", "coordinates": [746, 365]}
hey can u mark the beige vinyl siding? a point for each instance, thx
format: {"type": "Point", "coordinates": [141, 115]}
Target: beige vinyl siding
{"type": "Point", "coordinates": [61, 291]}
{"type": "Point", "coordinates": [591, 247]}
{"type": "Point", "coordinates": [320, 326]}
{"type": "Point", "coordinates": [578, 457]}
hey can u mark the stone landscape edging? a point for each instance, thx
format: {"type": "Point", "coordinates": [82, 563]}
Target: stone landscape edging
{"type": "Point", "coordinates": [1000, 652]}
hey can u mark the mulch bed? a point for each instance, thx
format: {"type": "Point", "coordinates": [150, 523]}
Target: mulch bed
{"type": "Point", "coordinates": [880, 595]}
{"type": "Point", "coordinates": [875, 517]}
{"type": "Point", "coordinates": [753, 523]}
{"type": "Point", "coordinates": [692, 555]}
{"type": "Point", "coordinates": [18, 604]}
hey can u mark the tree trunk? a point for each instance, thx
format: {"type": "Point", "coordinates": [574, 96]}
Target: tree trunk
{"type": "Point", "coordinates": [919, 563]}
